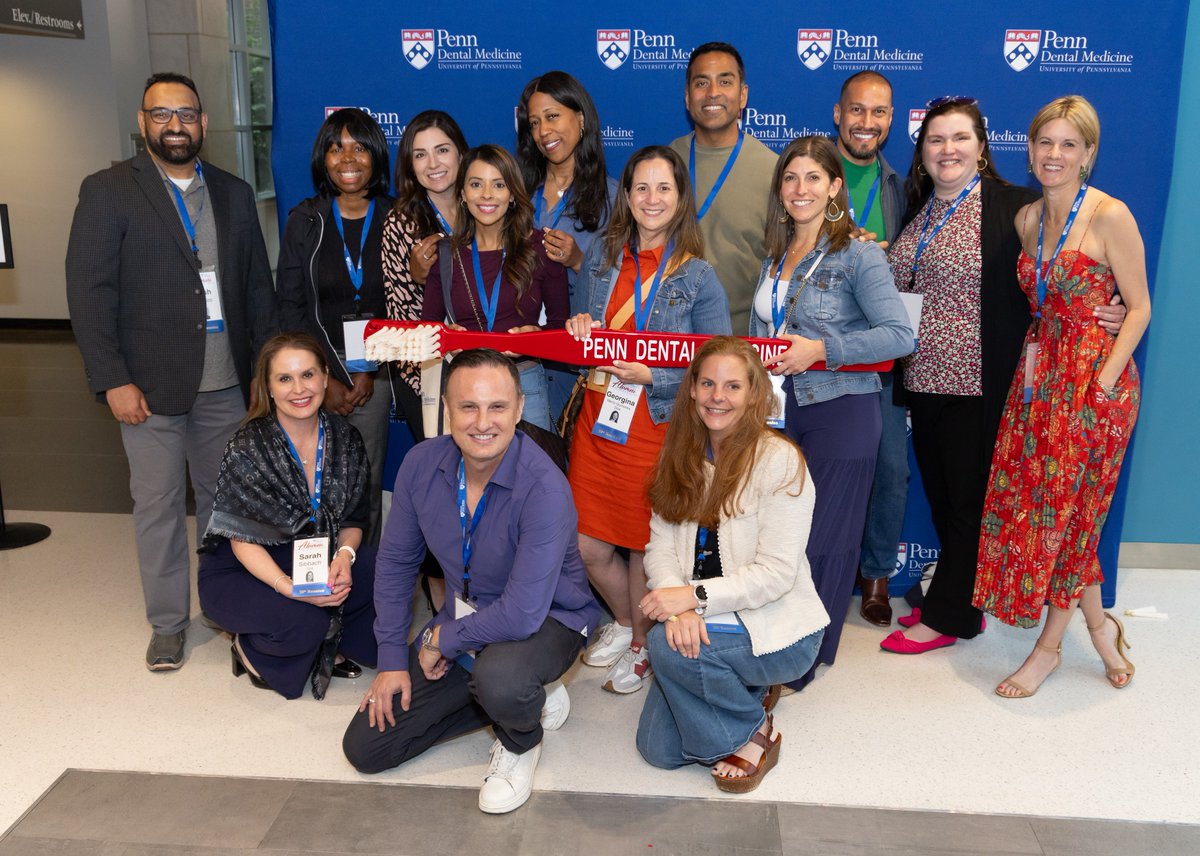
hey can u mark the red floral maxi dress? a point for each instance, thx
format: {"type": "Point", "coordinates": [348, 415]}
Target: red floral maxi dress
{"type": "Point", "coordinates": [1057, 458]}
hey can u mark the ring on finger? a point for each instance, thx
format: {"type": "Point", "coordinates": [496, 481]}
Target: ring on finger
{"type": "Point", "coordinates": [370, 701]}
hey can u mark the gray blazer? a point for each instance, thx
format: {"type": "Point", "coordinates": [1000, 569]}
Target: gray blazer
{"type": "Point", "coordinates": [133, 285]}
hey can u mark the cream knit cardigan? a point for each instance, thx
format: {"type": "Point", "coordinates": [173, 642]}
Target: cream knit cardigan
{"type": "Point", "coordinates": [766, 578]}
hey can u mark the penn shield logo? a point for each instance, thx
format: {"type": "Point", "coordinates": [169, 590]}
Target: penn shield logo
{"type": "Point", "coordinates": [612, 46]}
{"type": "Point", "coordinates": [1021, 48]}
{"type": "Point", "coordinates": [901, 557]}
{"type": "Point", "coordinates": [417, 47]}
{"type": "Point", "coordinates": [915, 118]}
{"type": "Point", "coordinates": [814, 47]}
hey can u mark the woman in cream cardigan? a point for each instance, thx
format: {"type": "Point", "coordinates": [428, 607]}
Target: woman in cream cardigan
{"type": "Point", "coordinates": [729, 583]}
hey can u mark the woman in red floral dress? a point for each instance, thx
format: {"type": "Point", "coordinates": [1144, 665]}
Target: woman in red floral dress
{"type": "Point", "coordinates": [1071, 407]}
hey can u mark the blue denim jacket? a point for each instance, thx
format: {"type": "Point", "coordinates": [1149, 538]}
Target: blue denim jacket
{"type": "Point", "coordinates": [851, 304]}
{"type": "Point", "coordinates": [690, 300]}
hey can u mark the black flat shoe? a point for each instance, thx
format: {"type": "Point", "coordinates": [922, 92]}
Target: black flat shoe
{"type": "Point", "coordinates": [239, 669]}
{"type": "Point", "coordinates": [347, 669]}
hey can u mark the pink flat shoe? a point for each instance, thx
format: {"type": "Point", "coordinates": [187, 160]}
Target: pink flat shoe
{"type": "Point", "coordinates": [910, 620]}
{"type": "Point", "coordinates": [898, 644]}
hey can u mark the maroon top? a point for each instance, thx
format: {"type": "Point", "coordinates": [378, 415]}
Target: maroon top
{"type": "Point", "coordinates": [547, 289]}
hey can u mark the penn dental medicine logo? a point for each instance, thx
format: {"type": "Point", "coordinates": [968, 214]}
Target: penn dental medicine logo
{"type": "Point", "coordinates": [612, 46]}
{"type": "Point", "coordinates": [389, 120]}
{"type": "Point", "coordinates": [1053, 51]}
{"type": "Point", "coordinates": [901, 557]}
{"type": "Point", "coordinates": [773, 129]}
{"type": "Point", "coordinates": [848, 51]}
{"type": "Point", "coordinates": [915, 117]}
{"type": "Point", "coordinates": [448, 50]}
{"type": "Point", "coordinates": [645, 51]}
{"type": "Point", "coordinates": [616, 136]}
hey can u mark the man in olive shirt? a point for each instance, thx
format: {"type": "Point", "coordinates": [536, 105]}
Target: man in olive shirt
{"type": "Point", "coordinates": [731, 174]}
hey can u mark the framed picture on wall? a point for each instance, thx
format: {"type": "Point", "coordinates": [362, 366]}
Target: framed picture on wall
{"type": "Point", "coordinates": [6, 252]}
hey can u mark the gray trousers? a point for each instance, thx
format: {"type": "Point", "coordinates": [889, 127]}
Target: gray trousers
{"type": "Point", "coordinates": [162, 451]}
{"type": "Point", "coordinates": [372, 423]}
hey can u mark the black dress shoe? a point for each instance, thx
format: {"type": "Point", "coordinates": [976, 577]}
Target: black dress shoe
{"type": "Point", "coordinates": [875, 607]}
{"type": "Point", "coordinates": [347, 669]}
{"type": "Point", "coordinates": [239, 669]}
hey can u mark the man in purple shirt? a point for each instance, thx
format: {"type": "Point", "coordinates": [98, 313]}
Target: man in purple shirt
{"type": "Point", "coordinates": [498, 515]}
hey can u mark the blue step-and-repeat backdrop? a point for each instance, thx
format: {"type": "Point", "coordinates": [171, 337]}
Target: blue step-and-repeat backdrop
{"type": "Point", "coordinates": [473, 60]}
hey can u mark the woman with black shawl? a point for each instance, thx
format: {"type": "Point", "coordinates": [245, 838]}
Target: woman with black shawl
{"type": "Point", "coordinates": [292, 472]}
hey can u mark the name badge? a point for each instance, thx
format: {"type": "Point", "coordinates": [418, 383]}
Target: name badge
{"type": "Point", "coordinates": [1030, 362]}
{"type": "Point", "coordinates": [912, 305]}
{"type": "Point", "coordinates": [354, 329]}
{"type": "Point", "coordinates": [310, 566]}
{"type": "Point", "coordinates": [461, 610]}
{"type": "Point", "coordinates": [212, 302]}
{"type": "Point", "coordinates": [775, 418]}
{"type": "Point", "coordinates": [616, 412]}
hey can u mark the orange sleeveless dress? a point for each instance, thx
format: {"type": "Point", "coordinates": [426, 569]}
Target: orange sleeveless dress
{"type": "Point", "coordinates": [609, 480]}
{"type": "Point", "coordinates": [1057, 458]}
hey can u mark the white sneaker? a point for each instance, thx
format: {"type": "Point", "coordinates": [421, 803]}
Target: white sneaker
{"type": "Point", "coordinates": [557, 707]}
{"type": "Point", "coordinates": [509, 780]}
{"type": "Point", "coordinates": [629, 672]}
{"type": "Point", "coordinates": [611, 642]}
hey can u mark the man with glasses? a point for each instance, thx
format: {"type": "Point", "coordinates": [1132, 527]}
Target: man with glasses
{"type": "Point", "coordinates": [170, 295]}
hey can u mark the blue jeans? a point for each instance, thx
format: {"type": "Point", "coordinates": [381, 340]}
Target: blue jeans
{"type": "Point", "coordinates": [889, 492]}
{"type": "Point", "coordinates": [537, 397]}
{"type": "Point", "coordinates": [700, 711]}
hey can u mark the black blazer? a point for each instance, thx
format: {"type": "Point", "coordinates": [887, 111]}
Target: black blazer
{"type": "Point", "coordinates": [133, 284]}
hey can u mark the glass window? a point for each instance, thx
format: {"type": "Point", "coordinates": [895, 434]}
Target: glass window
{"type": "Point", "coordinates": [253, 108]}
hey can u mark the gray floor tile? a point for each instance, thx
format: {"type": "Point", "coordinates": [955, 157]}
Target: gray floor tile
{"type": "Point", "coordinates": [391, 819]}
{"type": "Point", "coordinates": [1100, 838]}
{"type": "Point", "coordinates": [896, 832]}
{"type": "Point", "coordinates": [156, 809]}
{"type": "Point", "coordinates": [12, 846]}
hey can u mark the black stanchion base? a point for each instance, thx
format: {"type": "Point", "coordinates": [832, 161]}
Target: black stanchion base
{"type": "Point", "coordinates": [22, 535]}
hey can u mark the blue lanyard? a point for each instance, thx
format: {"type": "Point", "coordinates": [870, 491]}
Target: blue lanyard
{"type": "Point", "coordinates": [355, 271]}
{"type": "Point", "coordinates": [319, 466]}
{"type": "Point", "coordinates": [716, 188]}
{"type": "Point", "coordinates": [446, 230]}
{"type": "Point", "coordinates": [643, 308]}
{"type": "Point", "coordinates": [468, 531]}
{"type": "Point", "coordinates": [490, 304]}
{"type": "Point", "coordinates": [870, 197]}
{"type": "Point", "coordinates": [777, 316]}
{"type": "Point", "coordinates": [188, 225]}
{"type": "Point", "coordinates": [555, 213]}
{"type": "Point", "coordinates": [1043, 279]}
{"type": "Point", "coordinates": [922, 241]}
{"type": "Point", "coordinates": [701, 553]}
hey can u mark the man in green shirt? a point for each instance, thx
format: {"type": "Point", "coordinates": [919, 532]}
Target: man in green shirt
{"type": "Point", "coordinates": [731, 174]}
{"type": "Point", "coordinates": [863, 115]}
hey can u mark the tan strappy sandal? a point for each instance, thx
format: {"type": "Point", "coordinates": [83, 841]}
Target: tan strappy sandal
{"type": "Point", "coordinates": [1121, 645]}
{"type": "Point", "coordinates": [1021, 691]}
{"type": "Point", "coordinates": [770, 744]}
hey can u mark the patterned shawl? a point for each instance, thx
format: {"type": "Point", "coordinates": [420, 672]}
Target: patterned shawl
{"type": "Point", "coordinates": [262, 494]}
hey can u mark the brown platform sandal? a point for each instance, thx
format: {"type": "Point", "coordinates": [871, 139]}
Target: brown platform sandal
{"type": "Point", "coordinates": [754, 773]}
{"type": "Point", "coordinates": [772, 697]}
{"type": "Point", "coordinates": [1118, 643]}
{"type": "Point", "coordinates": [1021, 691]}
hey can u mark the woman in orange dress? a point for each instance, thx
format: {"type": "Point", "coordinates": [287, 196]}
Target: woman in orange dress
{"type": "Point", "coordinates": [1071, 407]}
{"type": "Point", "coordinates": [646, 274]}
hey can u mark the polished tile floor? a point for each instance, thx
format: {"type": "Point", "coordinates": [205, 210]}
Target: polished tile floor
{"type": "Point", "coordinates": [882, 754]}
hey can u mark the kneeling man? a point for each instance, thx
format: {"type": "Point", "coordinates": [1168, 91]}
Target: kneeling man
{"type": "Point", "coordinates": [498, 516]}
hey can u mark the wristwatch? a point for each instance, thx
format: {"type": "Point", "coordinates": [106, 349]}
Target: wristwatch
{"type": "Point", "coordinates": [427, 641]}
{"type": "Point", "coordinates": [702, 597]}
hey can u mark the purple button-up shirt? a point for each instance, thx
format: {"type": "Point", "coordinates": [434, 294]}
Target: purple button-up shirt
{"type": "Point", "coordinates": [525, 564]}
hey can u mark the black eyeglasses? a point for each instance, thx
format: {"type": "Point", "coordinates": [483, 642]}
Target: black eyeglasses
{"type": "Point", "coordinates": [162, 115]}
{"type": "Point", "coordinates": [957, 100]}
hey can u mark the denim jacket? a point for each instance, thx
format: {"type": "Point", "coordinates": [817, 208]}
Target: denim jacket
{"type": "Point", "coordinates": [851, 304]}
{"type": "Point", "coordinates": [690, 300]}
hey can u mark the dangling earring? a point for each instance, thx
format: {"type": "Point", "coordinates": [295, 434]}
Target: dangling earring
{"type": "Point", "coordinates": [921, 170]}
{"type": "Point", "coordinates": [1029, 167]}
{"type": "Point", "coordinates": [1083, 173]}
{"type": "Point", "coordinates": [783, 218]}
{"type": "Point", "coordinates": [981, 164]}
{"type": "Point", "coordinates": [833, 218]}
